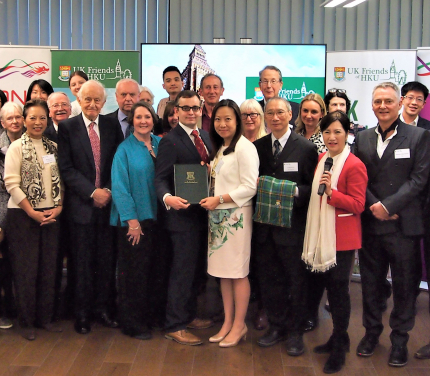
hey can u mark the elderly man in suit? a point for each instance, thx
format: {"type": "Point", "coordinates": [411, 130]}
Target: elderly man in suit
{"type": "Point", "coordinates": [284, 155]}
{"type": "Point", "coordinates": [187, 224]}
{"type": "Point", "coordinates": [59, 110]}
{"type": "Point", "coordinates": [86, 147]}
{"type": "Point", "coordinates": [270, 84]}
{"type": "Point", "coordinates": [127, 94]}
{"type": "Point", "coordinates": [397, 158]}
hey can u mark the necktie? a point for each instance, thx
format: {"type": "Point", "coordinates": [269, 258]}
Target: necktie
{"type": "Point", "coordinates": [200, 146]}
{"type": "Point", "coordinates": [95, 146]}
{"type": "Point", "coordinates": [277, 145]}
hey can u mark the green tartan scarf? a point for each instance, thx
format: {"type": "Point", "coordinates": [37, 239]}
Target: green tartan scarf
{"type": "Point", "coordinates": [275, 200]}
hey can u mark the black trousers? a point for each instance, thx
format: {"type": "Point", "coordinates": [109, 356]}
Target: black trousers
{"type": "Point", "coordinates": [33, 254]}
{"type": "Point", "coordinates": [281, 274]}
{"type": "Point", "coordinates": [189, 249]}
{"type": "Point", "coordinates": [7, 300]}
{"type": "Point", "coordinates": [94, 265]}
{"type": "Point", "coordinates": [336, 281]}
{"type": "Point", "coordinates": [402, 254]}
{"type": "Point", "coordinates": [142, 272]}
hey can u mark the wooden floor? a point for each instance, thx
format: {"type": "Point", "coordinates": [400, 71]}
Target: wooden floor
{"type": "Point", "coordinates": [107, 352]}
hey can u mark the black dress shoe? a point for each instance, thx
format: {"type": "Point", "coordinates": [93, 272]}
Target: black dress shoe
{"type": "Point", "coordinates": [104, 319]}
{"type": "Point", "coordinates": [310, 324]}
{"type": "Point", "coordinates": [142, 334]}
{"type": "Point", "coordinates": [295, 345]}
{"type": "Point", "coordinates": [423, 352]}
{"type": "Point", "coordinates": [398, 356]}
{"type": "Point", "coordinates": [272, 337]}
{"type": "Point", "coordinates": [367, 345]}
{"type": "Point", "coordinates": [335, 362]}
{"type": "Point", "coordinates": [82, 326]}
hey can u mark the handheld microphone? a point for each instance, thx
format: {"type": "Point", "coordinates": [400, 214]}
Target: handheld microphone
{"type": "Point", "coordinates": [327, 167]}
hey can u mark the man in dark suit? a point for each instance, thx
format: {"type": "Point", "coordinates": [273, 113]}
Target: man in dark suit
{"type": "Point", "coordinates": [187, 224]}
{"type": "Point", "coordinates": [86, 147]}
{"type": "Point", "coordinates": [397, 158]}
{"type": "Point", "coordinates": [127, 94]}
{"type": "Point", "coordinates": [270, 84]}
{"type": "Point", "coordinates": [59, 110]}
{"type": "Point", "coordinates": [414, 96]}
{"type": "Point", "coordinates": [284, 155]}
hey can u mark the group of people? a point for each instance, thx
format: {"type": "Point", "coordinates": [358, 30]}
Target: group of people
{"type": "Point", "coordinates": [287, 199]}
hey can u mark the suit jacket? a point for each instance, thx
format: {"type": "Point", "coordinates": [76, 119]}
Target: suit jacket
{"type": "Point", "coordinates": [177, 148]}
{"type": "Point", "coordinates": [114, 115]}
{"type": "Point", "coordinates": [348, 200]}
{"type": "Point", "coordinates": [304, 153]}
{"type": "Point", "coordinates": [294, 108]}
{"type": "Point", "coordinates": [423, 123]}
{"type": "Point", "coordinates": [51, 133]}
{"type": "Point", "coordinates": [397, 182]}
{"type": "Point", "coordinates": [76, 162]}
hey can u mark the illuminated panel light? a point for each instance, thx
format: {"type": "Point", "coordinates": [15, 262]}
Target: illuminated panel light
{"type": "Point", "coordinates": [354, 3]}
{"type": "Point", "coordinates": [332, 3]}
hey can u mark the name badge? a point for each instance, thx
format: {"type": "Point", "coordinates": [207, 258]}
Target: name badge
{"type": "Point", "coordinates": [402, 153]}
{"type": "Point", "coordinates": [291, 167]}
{"type": "Point", "coordinates": [218, 166]}
{"type": "Point", "coordinates": [50, 158]}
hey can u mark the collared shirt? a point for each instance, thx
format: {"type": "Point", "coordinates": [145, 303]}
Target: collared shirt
{"type": "Point", "coordinates": [122, 118]}
{"type": "Point", "coordinates": [87, 123]}
{"type": "Point", "coordinates": [55, 126]}
{"type": "Point", "coordinates": [382, 145]}
{"type": "Point", "coordinates": [206, 120]}
{"type": "Point", "coordinates": [414, 122]}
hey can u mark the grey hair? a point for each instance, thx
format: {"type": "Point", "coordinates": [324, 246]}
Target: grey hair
{"type": "Point", "coordinates": [7, 107]}
{"type": "Point", "coordinates": [88, 83]}
{"type": "Point", "coordinates": [386, 85]}
{"type": "Point", "coordinates": [55, 93]}
{"type": "Point", "coordinates": [287, 104]}
{"type": "Point", "coordinates": [271, 67]}
{"type": "Point", "coordinates": [124, 80]}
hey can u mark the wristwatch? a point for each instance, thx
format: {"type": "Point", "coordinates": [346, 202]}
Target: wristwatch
{"type": "Point", "coordinates": [221, 200]}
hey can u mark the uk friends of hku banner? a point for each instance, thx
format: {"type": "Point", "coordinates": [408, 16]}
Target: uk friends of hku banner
{"type": "Point", "coordinates": [423, 75]}
{"type": "Point", "coordinates": [107, 67]}
{"type": "Point", "coordinates": [20, 66]}
{"type": "Point", "coordinates": [358, 72]}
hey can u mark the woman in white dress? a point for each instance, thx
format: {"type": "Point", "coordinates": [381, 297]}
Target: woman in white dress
{"type": "Point", "coordinates": [76, 80]}
{"type": "Point", "coordinates": [234, 173]}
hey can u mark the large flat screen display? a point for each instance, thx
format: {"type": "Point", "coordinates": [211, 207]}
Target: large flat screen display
{"type": "Point", "coordinates": [302, 66]}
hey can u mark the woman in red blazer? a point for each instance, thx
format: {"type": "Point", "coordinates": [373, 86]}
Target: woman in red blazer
{"type": "Point", "coordinates": [333, 230]}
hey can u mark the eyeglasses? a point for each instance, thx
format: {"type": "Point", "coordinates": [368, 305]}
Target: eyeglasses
{"type": "Point", "coordinates": [280, 114]}
{"type": "Point", "coordinates": [59, 105]}
{"type": "Point", "coordinates": [272, 82]}
{"type": "Point", "coordinates": [337, 91]}
{"type": "Point", "coordinates": [417, 99]}
{"type": "Point", "coordinates": [252, 115]}
{"type": "Point", "coordinates": [188, 108]}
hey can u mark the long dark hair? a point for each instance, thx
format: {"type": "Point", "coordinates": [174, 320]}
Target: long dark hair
{"type": "Point", "coordinates": [43, 84]}
{"type": "Point", "coordinates": [217, 140]}
{"type": "Point", "coordinates": [168, 111]}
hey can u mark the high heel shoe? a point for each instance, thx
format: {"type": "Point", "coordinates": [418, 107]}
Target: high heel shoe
{"type": "Point", "coordinates": [225, 343]}
{"type": "Point", "coordinates": [217, 338]}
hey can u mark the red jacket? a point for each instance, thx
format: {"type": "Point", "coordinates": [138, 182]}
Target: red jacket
{"type": "Point", "coordinates": [349, 199]}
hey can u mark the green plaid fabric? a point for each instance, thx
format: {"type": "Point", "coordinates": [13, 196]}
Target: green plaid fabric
{"type": "Point", "coordinates": [275, 199]}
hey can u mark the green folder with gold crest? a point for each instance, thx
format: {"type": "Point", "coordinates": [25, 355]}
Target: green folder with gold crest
{"type": "Point", "coordinates": [191, 182]}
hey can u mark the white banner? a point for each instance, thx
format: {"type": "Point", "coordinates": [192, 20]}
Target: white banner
{"type": "Point", "coordinates": [20, 66]}
{"type": "Point", "coordinates": [358, 72]}
{"type": "Point", "coordinates": [423, 75]}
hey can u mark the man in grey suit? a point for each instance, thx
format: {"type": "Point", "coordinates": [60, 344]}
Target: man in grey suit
{"type": "Point", "coordinates": [397, 158]}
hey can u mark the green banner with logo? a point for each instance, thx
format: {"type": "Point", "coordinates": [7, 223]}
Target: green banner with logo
{"type": "Point", "coordinates": [294, 88]}
{"type": "Point", "coordinates": [107, 67]}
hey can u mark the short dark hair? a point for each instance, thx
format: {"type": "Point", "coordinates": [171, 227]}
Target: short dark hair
{"type": "Point", "coordinates": [217, 140]}
{"type": "Point", "coordinates": [171, 68]}
{"type": "Point", "coordinates": [35, 103]}
{"type": "Point", "coordinates": [331, 117]}
{"type": "Point", "coordinates": [415, 86]}
{"type": "Point", "coordinates": [43, 84]}
{"type": "Point", "coordinates": [329, 96]}
{"type": "Point", "coordinates": [3, 98]}
{"type": "Point", "coordinates": [211, 75]}
{"type": "Point", "coordinates": [170, 108]}
{"type": "Point", "coordinates": [147, 106]}
{"type": "Point", "coordinates": [80, 74]}
{"type": "Point", "coordinates": [186, 94]}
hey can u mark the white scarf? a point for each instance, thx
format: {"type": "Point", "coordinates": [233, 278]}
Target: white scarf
{"type": "Point", "coordinates": [319, 248]}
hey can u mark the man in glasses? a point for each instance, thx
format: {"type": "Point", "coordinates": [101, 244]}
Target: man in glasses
{"type": "Point", "coordinates": [270, 84]}
{"type": "Point", "coordinates": [414, 95]}
{"type": "Point", "coordinates": [187, 224]}
{"type": "Point", "coordinates": [59, 110]}
{"type": "Point", "coordinates": [211, 89]}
